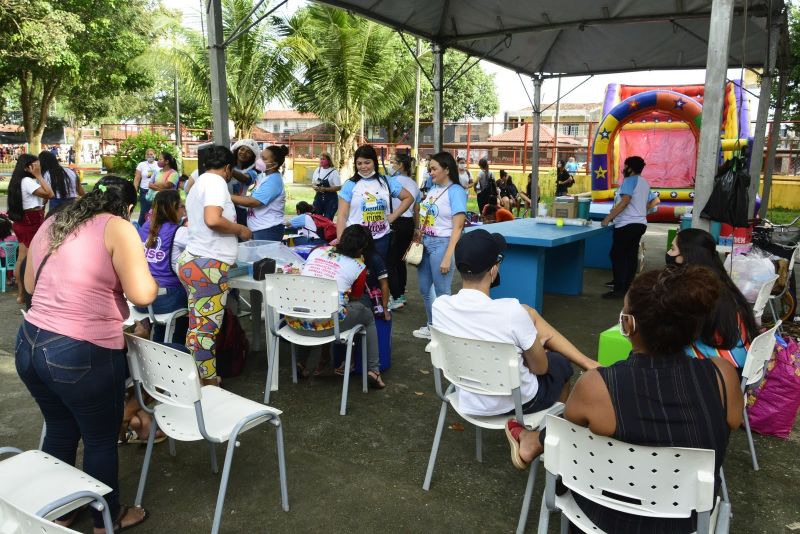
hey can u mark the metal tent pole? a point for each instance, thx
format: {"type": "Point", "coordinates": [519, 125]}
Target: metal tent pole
{"type": "Point", "coordinates": [438, 90]}
{"type": "Point", "coordinates": [219, 84]}
{"type": "Point", "coordinates": [178, 141]}
{"type": "Point", "coordinates": [416, 101]}
{"type": "Point", "coordinates": [555, 124]}
{"type": "Point", "coordinates": [713, 97]}
{"type": "Point", "coordinates": [537, 121]}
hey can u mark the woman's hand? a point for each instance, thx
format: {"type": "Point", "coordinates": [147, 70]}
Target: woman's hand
{"type": "Point", "coordinates": [35, 169]}
{"type": "Point", "coordinates": [245, 234]}
{"type": "Point", "coordinates": [387, 315]}
{"type": "Point", "coordinates": [417, 236]}
{"type": "Point", "coordinates": [444, 268]}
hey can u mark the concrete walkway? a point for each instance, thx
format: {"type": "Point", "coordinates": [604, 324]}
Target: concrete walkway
{"type": "Point", "coordinates": [363, 472]}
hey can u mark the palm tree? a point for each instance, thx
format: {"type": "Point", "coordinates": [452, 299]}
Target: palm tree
{"type": "Point", "coordinates": [350, 71]}
{"type": "Point", "coordinates": [256, 68]}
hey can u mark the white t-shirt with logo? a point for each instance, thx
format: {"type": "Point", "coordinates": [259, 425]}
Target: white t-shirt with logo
{"type": "Point", "coordinates": [269, 191]}
{"type": "Point", "coordinates": [636, 211]}
{"type": "Point", "coordinates": [305, 226]}
{"type": "Point", "coordinates": [29, 200]}
{"type": "Point", "coordinates": [370, 202]}
{"type": "Point", "coordinates": [148, 172]}
{"type": "Point", "coordinates": [437, 209]}
{"type": "Point", "coordinates": [474, 315]}
{"type": "Point", "coordinates": [210, 190]}
{"type": "Point", "coordinates": [413, 189]}
{"type": "Point", "coordinates": [330, 173]}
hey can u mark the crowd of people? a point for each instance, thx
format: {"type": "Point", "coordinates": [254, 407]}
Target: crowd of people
{"type": "Point", "coordinates": [687, 322]}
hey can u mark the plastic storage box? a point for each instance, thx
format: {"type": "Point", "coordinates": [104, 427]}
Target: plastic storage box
{"type": "Point", "coordinates": [251, 251]}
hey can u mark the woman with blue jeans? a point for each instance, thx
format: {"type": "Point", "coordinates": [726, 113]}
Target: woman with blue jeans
{"type": "Point", "coordinates": [265, 205]}
{"type": "Point", "coordinates": [70, 355]}
{"type": "Point", "coordinates": [441, 220]}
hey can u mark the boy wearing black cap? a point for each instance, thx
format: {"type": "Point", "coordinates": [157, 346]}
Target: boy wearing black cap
{"type": "Point", "coordinates": [544, 365]}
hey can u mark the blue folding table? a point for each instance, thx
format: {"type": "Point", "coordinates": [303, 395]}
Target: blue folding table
{"type": "Point", "coordinates": [542, 257]}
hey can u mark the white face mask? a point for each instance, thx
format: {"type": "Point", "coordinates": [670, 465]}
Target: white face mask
{"type": "Point", "coordinates": [361, 174]}
{"type": "Point", "coordinates": [462, 166]}
{"type": "Point", "coordinates": [390, 169]}
{"type": "Point", "coordinates": [622, 328]}
{"type": "Point", "coordinates": [151, 159]}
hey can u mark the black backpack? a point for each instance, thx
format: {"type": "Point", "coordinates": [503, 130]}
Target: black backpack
{"type": "Point", "coordinates": [232, 346]}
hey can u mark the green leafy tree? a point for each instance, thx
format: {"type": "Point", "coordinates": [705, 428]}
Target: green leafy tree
{"type": "Point", "coordinates": [349, 71]}
{"type": "Point", "coordinates": [791, 66]}
{"type": "Point", "coordinates": [257, 69]}
{"type": "Point", "coordinates": [132, 151]}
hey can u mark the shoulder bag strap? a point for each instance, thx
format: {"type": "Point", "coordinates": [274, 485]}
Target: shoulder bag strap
{"type": "Point", "coordinates": [422, 228]}
{"type": "Point", "coordinates": [39, 271]}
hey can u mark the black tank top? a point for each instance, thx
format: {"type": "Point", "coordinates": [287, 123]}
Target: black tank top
{"type": "Point", "coordinates": [669, 401]}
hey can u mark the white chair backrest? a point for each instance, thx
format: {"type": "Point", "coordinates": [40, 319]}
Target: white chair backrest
{"type": "Point", "coordinates": [763, 296]}
{"type": "Point", "coordinates": [306, 297]}
{"type": "Point", "coordinates": [758, 355]}
{"type": "Point", "coordinates": [794, 257]}
{"type": "Point", "coordinates": [168, 375]}
{"type": "Point", "coordinates": [668, 482]}
{"type": "Point", "coordinates": [16, 521]}
{"type": "Point", "coordinates": [483, 367]}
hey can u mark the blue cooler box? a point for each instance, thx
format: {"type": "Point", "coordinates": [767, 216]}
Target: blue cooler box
{"type": "Point", "coordinates": [384, 328]}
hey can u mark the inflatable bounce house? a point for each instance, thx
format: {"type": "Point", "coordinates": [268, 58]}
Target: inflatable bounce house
{"type": "Point", "coordinates": [662, 125]}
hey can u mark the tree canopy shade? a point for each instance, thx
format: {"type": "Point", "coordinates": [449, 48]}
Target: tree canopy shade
{"type": "Point", "coordinates": [577, 37]}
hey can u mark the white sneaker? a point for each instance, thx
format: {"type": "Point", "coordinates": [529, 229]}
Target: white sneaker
{"type": "Point", "coordinates": [422, 333]}
{"type": "Point", "coordinates": [395, 304]}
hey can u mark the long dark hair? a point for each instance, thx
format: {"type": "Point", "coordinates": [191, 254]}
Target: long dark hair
{"type": "Point", "coordinates": [111, 194]}
{"type": "Point", "coordinates": [446, 160]}
{"type": "Point", "coordinates": [59, 180]}
{"type": "Point", "coordinates": [406, 163]}
{"type": "Point", "coordinates": [15, 211]}
{"type": "Point", "coordinates": [170, 159]}
{"type": "Point", "coordinates": [697, 247]}
{"type": "Point", "coordinates": [165, 209]}
{"type": "Point", "coordinates": [367, 152]}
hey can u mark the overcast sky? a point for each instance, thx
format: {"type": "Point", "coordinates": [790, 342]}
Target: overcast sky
{"type": "Point", "coordinates": [510, 92]}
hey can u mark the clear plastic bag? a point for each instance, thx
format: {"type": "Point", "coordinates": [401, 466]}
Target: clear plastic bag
{"type": "Point", "coordinates": [750, 271]}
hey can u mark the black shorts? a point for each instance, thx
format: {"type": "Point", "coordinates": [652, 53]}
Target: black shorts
{"type": "Point", "coordinates": [559, 371]}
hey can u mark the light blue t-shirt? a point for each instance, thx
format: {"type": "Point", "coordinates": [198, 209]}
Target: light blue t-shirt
{"type": "Point", "coordinates": [571, 167]}
{"type": "Point", "coordinates": [635, 212]}
{"type": "Point", "coordinates": [370, 202]}
{"type": "Point", "coordinates": [269, 192]}
{"type": "Point", "coordinates": [436, 211]}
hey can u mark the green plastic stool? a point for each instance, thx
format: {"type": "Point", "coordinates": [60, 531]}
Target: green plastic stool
{"type": "Point", "coordinates": [613, 347]}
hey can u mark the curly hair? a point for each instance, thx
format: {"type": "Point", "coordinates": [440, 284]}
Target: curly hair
{"type": "Point", "coordinates": [111, 194]}
{"type": "Point", "coordinates": [165, 209]}
{"type": "Point", "coordinates": [671, 305]}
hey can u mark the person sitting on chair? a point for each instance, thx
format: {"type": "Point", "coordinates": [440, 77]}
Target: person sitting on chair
{"type": "Point", "coordinates": [544, 364]}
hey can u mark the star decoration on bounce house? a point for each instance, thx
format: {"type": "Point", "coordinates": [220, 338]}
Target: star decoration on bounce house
{"type": "Point", "coordinates": [605, 134]}
{"type": "Point", "coordinates": [673, 194]}
{"type": "Point", "coordinates": [634, 104]}
{"type": "Point", "coordinates": [600, 172]}
{"type": "Point", "coordinates": [691, 194]}
{"type": "Point", "coordinates": [679, 103]}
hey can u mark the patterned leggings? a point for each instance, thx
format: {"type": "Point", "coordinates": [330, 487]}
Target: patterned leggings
{"type": "Point", "coordinates": [206, 283]}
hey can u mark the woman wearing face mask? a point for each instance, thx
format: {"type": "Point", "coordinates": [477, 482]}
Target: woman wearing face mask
{"type": "Point", "coordinates": [245, 172]}
{"type": "Point", "coordinates": [71, 355]}
{"type": "Point", "coordinates": [441, 220]}
{"type": "Point", "coordinates": [265, 206]}
{"type": "Point", "coordinates": [210, 251]}
{"type": "Point", "coordinates": [365, 199]}
{"type": "Point", "coordinates": [401, 168]}
{"type": "Point", "coordinates": [145, 172]}
{"type": "Point", "coordinates": [564, 179]}
{"type": "Point", "coordinates": [728, 331]}
{"type": "Point", "coordinates": [464, 176]}
{"type": "Point", "coordinates": [657, 397]}
{"type": "Point", "coordinates": [326, 183]}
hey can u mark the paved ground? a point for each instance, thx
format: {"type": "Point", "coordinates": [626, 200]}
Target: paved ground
{"type": "Point", "coordinates": [363, 472]}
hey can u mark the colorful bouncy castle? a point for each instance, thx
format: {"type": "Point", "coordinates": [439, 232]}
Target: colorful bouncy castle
{"type": "Point", "coordinates": [662, 125]}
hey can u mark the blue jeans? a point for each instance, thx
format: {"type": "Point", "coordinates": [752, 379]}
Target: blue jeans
{"type": "Point", "coordinates": [54, 203]}
{"type": "Point", "coordinates": [274, 233]}
{"type": "Point", "coordinates": [326, 204]}
{"type": "Point", "coordinates": [429, 275]}
{"type": "Point", "coordinates": [174, 300]}
{"type": "Point", "coordinates": [382, 247]}
{"type": "Point", "coordinates": [144, 206]}
{"type": "Point", "coordinates": [80, 389]}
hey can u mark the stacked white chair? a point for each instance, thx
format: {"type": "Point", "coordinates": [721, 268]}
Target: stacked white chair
{"type": "Point", "coordinates": [763, 297]}
{"type": "Point", "coordinates": [166, 319]}
{"type": "Point", "coordinates": [487, 368]}
{"type": "Point", "coordinates": [185, 411]}
{"type": "Point", "coordinates": [39, 484]}
{"type": "Point", "coordinates": [655, 482]}
{"type": "Point", "coordinates": [15, 520]}
{"type": "Point", "coordinates": [309, 298]}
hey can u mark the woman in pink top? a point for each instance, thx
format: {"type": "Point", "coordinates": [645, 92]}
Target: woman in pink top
{"type": "Point", "coordinates": [82, 263]}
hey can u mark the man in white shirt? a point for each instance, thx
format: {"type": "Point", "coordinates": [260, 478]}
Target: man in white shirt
{"type": "Point", "coordinates": [545, 363]}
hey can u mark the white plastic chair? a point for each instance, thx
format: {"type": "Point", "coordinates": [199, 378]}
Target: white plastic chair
{"type": "Point", "coordinates": [44, 486]}
{"type": "Point", "coordinates": [487, 368]}
{"type": "Point", "coordinates": [309, 298]}
{"type": "Point", "coordinates": [755, 364]}
{"type": "Point", "coordinates": [777, 298]}
{"type": "Point", "coordinates": [763, 297]}
{"type": "Point", "coordinates": [165, 319]}
{"type": "Point", "coordinates": [185, 411]}
{"type": "Point", "coordinates": [655, 482]}
{"type": "Point", "coordinates": [15, 520]}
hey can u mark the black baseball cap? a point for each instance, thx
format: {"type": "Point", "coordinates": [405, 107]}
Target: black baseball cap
{"type": "Point", "coordinates": [478, 251]}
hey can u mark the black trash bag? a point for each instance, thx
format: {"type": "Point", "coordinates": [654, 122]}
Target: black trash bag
{"type": "Point", "coordinates": [730, 196]}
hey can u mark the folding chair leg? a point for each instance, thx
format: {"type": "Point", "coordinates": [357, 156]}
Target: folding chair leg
{"type": "Point", "coordinates": [544, 518]}
{"type": "Point", "coordinates": [102, 506]}
{"type": "Point", "coordinates": [148, 454]}
{"type": "Point", "coordinates": [750, 439]}
{"type": "Point", "coordinates": [478, 444]}
{"type": "Point", "coordinates": [526, 500]}
{"type": "Point", "coordinates": [41, 437]}
{"type": "Point", "coordinates": [294, 364]}
{"type": "Point", "coordinates": [775, 316]}
{"type": "Point", "coordinates": [364, 361]}
{"type": "Point", "coordinates": [171, 447]}
{"type": "Point", "coordinates": [437, 438]}
{"type": "Point", "coordinates": [223, 484]}
{"type": "Point", "coordinates": [272, 357]}
{"type": "Point", "coordinates": [169, 328]}
{"type": "Point", "coordinates": [723, 486]}
{"type": "Point", "coordinates": [564, 524]}
{"type": "Point", "coordinates": [281, 465]}
{"type": "Point", "coordinates": [213, 450]}
{"type": "Point", "coordinates": [347, 360]}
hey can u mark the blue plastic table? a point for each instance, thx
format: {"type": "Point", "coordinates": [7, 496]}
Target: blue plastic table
{"type": "Point", "coordinates": [542, 257]}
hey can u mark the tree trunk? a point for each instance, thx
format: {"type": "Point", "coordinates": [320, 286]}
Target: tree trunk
{"type": "Point", "coordinates": [77, 146]}
{"type": "Point", "coordinates": [344, 149]}
{"type": "Point", "coordinates": [35, 99]}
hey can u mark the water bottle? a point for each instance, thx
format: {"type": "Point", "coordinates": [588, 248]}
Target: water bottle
{"type": "Point", "coordinates": [542, 212]}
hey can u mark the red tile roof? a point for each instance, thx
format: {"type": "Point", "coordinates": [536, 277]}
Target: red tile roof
{"type": "Point", "coordinates": [287, 114]}
{"type": "Point", "coordinates": [546, 134]}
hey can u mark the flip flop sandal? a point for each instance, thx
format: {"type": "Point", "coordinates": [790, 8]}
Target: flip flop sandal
{"type": "Point", "coordinates": [513, 430]}
{"type": "Point", "coordinates": [132, 437]}
{"type": "Point", "coordinates": [373, 378]}
{"type": "Point", "coordinates": [302, 372]}
{"type": "Point", "coordinates": [123, 511]}
{"type": "Point", "coordinates": [340, 370]}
